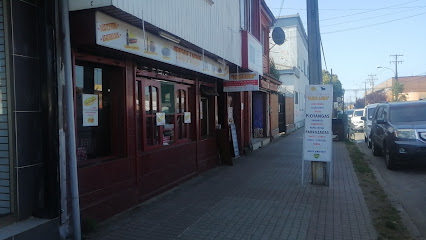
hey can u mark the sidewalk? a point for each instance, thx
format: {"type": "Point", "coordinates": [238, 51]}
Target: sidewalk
{"type": "Point", "coordinates": [260, 197]}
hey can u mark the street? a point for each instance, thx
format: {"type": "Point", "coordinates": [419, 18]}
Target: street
{"type": "Point", "coordinates": [406, 184]}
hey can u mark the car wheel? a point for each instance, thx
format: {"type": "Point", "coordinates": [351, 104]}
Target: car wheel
{"type": "Point", "coordinates": [375, 149]}
{"type": "Point", "coordinates": [389, 159]}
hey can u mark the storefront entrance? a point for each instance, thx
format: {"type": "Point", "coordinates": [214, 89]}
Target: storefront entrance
{"type": "Point", "coordinates": [259, 124]}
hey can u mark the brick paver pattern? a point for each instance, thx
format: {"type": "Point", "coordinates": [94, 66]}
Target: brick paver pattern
{"type": "Point", "coordinates": [260, 197]}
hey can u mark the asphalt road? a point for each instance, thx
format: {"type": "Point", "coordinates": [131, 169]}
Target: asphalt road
{"type": "Point", "coordinates": [406, 184]}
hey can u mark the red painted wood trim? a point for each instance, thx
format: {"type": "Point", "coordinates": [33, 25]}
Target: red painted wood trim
{"type": "Point", "coordinates": [98, 59]}
{"type": "Point", "coordinates": [147, 74]}
{"type": "Point", "coordinates": [244, 49]}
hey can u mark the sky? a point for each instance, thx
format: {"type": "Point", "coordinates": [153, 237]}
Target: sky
{"type": "Point", "coordinates": [358, 36]}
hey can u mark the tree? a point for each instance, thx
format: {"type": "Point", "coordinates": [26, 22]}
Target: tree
{"type": "Point", "coordinates": [376, 97]}
{"type": "Point", "coordinates": [338, 91]}
{"type": "Point", "coordinates": [359, 103]}
{"type": "Point", "coordinates": [273, 69]}
{"type": "Point", "coordinates": [397, 89]}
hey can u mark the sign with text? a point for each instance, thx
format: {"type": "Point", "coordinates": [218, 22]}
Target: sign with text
{"type": "Point", "coordinates": [240, 82]}
{"type": "Point", "coordinates": [317, 139]}
{"type": "Point", "coordinates": [187, 117]}
{"type": "Point", "coordinates": [119, 35]}
{"type": "Point", "coordinates": [90, 110]}
{"type": "Point", "coordinates": [160, 118]}
{"type": "Point", "coordinates": [255, 55]}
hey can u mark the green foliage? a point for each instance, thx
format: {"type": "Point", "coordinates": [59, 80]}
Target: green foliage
{"type": "Point", "coordinates": [359, 103]}
{"type": "Point", "coordinates": [397, 90]}
{"type": "Point", "coordinates": [273, 69]}
{"type": "Point", "coordinates": [338, 90]}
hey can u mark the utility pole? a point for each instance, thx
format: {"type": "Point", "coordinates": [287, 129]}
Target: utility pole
{"type": "Point", "coordinates": [365, 93]}
{"type": "Point", "coordinates": [315, 74]}
{"type": "Point", "coordinates": [314, 39]}
{"type": "Point", "coordinates": [371, 79]}
{"type": "Point", "coordinates": [395, 94]}
{"type": "Point", "coordinates": [396, 64]}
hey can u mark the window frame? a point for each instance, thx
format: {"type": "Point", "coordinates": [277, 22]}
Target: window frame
{"type": "Point", "coordinates": [145, 82]}
{"type": "Point", "coordinates": [117, 130]}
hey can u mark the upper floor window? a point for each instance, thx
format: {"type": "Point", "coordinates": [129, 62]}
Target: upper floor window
{"type": "Point", "coordinates": [296, 97]}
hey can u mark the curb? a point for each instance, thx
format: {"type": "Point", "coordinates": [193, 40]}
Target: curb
{"type": "Point", "coordinates": [409, 224]}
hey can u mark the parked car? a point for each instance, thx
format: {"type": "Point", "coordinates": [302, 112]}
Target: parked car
{"type": "Point", "coordinates": [349, 112]}
{"type": "Point", "coordinates": [367, 118]}
{"type": "Point", "coordinates": [399, 132]}
{"type": "Point", "coordinates": [356, 121]}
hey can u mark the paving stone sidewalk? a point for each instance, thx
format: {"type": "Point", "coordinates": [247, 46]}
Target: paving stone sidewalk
{"type": "Point", "coordinates": [260, 197]}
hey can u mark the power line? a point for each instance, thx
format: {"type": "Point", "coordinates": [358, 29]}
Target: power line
{"type": "Point", "coordinates": [374, 10]}
{"type": "Point", "coordinates": [281, 8]}
{"type": "Point", "coordinates": [323, 54]}
{"type": "Point", "coordinates": [363, 19]}
{"type": "Point", "coordinates": [371, 25]}
{"type": "Point", "coordinates": [350, 9]}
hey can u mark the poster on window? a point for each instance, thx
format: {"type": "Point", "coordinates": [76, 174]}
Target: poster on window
{"type": "Point", "coordinates": [90, 110]}
{"type": "Point", "coordinates": [187, 117]}
{"type": "Point", "coordinates": [161, 118]}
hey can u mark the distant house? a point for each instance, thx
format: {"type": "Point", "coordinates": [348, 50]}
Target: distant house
{"type": "Point", "coordinates": [414, 87]}
{"type": "Point", "coordinates": [291, 60]}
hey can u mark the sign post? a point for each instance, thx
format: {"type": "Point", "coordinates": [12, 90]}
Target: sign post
{"type": "Point", "coordinates": [317, 139]}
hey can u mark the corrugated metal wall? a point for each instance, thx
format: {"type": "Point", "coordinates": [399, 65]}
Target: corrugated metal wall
{"type": "Point", "coordinates": [4, 139]}
{"type": "Point", "coordinates": [213, 27]}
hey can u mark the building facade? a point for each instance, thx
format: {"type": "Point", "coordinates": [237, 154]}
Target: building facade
{"type": "Point", "coordinates": [29, 166]}
{"type": "Point", "coordinates": [414, 87]}
{"type": "Point", "coordinates": [148, 81]}
{"type": "Point", "coordinates": [291, 60]}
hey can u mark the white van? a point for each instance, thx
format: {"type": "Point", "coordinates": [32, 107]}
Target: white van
{"type": "Point", "coordinates": [356, 121]}
{"type": "Point", "coordinates": [368, 116]}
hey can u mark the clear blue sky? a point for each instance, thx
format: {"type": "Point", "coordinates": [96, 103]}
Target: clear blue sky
{"type": "Point", "coordinates": [360, 35]}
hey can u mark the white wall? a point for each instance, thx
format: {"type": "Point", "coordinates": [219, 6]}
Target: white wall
{"type": "Point", "coordinates": [293, 54]}
{"type": "Point", "coordinates": [213, 27]}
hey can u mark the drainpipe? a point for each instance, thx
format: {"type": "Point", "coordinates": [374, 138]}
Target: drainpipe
{"type": "Point", "coordinates": [69, 119]}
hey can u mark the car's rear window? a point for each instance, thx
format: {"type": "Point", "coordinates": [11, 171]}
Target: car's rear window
{"type": "Point", "coordinates": [408, 113]}
{"type": "Point", "coordinates": [358, 113]}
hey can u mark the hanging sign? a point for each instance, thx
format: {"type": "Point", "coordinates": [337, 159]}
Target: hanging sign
{"type": "Point", "coordinates": [317, 140]}
{"type": "Point", "coordinates": [90, 110]}
{"type": "Point", "coordinates": [240, 82]}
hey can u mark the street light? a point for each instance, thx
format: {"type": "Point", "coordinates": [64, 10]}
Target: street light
{"type": "Point", "coordinates": [395, 72]}
{"type": "Point", "coordinates": [396, 79]}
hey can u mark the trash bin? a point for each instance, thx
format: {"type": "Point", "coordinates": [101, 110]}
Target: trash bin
{"type": "Point", "coordinates": [338, 127]}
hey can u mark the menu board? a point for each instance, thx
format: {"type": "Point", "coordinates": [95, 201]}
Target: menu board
{"type": "Point", "coordinates": [90, 110]}
{"type": "Point", "coordinates": [317, 140]}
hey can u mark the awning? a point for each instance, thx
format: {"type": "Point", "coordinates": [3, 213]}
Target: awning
{"type": "Point", "coordinates": [208, 91]}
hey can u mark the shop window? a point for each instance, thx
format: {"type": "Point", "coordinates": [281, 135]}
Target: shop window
{"type": "Point", "coordinates": [99, 111]}
{"type": "Point", "coordinates": [167, 98]}
{"type": "Point", "coordinates": [207, 121]}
